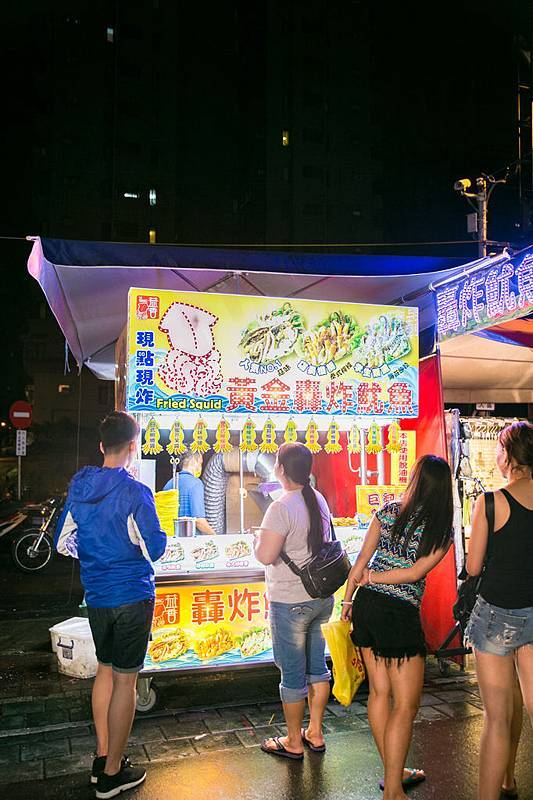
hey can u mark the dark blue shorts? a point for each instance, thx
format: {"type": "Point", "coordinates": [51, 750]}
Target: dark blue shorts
{"type": "Point", "coordinates": [121, 634]}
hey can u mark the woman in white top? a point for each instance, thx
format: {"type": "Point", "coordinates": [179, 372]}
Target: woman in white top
{"type": "Point", "coordinates": [298, 523]}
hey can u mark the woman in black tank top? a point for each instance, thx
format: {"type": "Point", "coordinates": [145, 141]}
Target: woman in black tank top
{"type": "Point", "coordinates": [501, 625]}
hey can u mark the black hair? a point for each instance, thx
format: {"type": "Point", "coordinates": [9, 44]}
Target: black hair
{"type": "Point", "coordinates": [117, 430]}
{"type": "Point", "coordinates": [297, 461]}
{"type": "Point", "coordinates": [427, 501]}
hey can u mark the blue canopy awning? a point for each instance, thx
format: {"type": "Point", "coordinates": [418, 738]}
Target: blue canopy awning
{"type": "Point", "coordinates": [86, 283]}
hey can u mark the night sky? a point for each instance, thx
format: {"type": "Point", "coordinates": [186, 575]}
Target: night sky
{"type": "Point", "coordinates": [426, 94]}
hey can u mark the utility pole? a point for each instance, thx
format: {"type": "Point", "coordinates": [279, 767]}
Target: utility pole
{"type": "Point", "coordinates": [485, 185]}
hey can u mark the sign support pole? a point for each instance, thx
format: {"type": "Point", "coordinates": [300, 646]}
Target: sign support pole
{"type": "Point", "coordinates": [19, 482]}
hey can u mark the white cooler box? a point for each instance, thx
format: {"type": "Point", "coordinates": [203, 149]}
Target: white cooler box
{"type": "Point", "coordinates": [73, 644]}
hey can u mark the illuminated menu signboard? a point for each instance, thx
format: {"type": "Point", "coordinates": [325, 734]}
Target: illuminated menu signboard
{"type": "Point", "coordinates": [487, 297]}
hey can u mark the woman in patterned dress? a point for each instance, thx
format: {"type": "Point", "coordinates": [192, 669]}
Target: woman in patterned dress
{"type": "Point", "coordinates": [404, 542]}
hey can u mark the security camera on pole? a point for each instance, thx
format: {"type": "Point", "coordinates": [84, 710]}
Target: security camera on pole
{"type": "Point", "coordinates": [485, 186]}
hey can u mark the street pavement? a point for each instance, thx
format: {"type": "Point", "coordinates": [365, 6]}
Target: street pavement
{"type": "Point", "coordinates": [212, 752]}
{"type": "Point", "coordinates": [202, 741]}
{"type": "Point", "coordinates": [236, 769]}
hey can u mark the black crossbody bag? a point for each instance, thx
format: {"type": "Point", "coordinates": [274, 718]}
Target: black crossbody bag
{"type": "Point", "coordinates": [468, 591]}
{"type": "Point", "coordinates": [323, 574]}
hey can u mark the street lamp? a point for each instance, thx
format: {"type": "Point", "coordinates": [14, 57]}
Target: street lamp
{"type": "Point", "coordinates": [485, 185]}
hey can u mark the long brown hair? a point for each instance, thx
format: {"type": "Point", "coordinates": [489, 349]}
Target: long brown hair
{"type": "Point", "coordinates": [517, 443]}
{"type": "Point", "coordinates": [427, 501]}
{"type": "Point", "coordinates": [297, 461]}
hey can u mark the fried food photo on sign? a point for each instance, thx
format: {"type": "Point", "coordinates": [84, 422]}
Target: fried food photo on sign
{"type": "Point", "coordinates": [332, 339]}
{"type": "Point", "coordinates": [272, 335]}
{"type": "Point", "coordinates": [255, 641]}
{"type": "Point", "coordinates": [168, 644]}
{"type": "Point", "coordinates": [239, 549]}
{"type": "Point", "coordinates": [212, 642]}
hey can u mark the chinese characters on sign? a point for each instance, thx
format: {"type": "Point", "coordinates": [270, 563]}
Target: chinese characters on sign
{"type": "Point", "coordinates": [144, 362]}
{"type": "Point", "coordinates": [499, 293]}
{"type": "Point", "coordinates": [197, 606]}
{"type": "Point", "coordinates": [370, 498]}
{"type": "Point", "coordinates": [403, 461]}
{"type": "Point", "coordinates": [194, 352]}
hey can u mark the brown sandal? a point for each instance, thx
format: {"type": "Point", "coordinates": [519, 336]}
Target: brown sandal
{"type": "Point", "coordinates": [321, 748]}
{"type": "Point", "coordinates": [280, 750]}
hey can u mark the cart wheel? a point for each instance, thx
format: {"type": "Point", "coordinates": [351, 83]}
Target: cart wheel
{"type": "Point", "coordinates": [146, 702]}
{"type": "Point", "coordinates": [444, 667]}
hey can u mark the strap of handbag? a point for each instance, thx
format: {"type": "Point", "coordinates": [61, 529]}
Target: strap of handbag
{"type": "Point", "coordinates": [290, 563]}
{"type": "Point", "coordinates": [489, 514]}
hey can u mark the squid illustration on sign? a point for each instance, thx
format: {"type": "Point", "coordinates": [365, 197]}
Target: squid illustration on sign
{"type": "Point", "coordinates": [193, 362]}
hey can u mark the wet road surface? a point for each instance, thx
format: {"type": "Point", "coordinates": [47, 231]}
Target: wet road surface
{"type": "Point", "coordinates": [446, 749]}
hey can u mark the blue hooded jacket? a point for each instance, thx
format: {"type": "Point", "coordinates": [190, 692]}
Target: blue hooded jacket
{"type": "Point", "coordinates": [110, 523]}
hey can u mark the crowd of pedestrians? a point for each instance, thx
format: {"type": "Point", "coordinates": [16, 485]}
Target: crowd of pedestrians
{"type": "Point", "coordinates": [110, 524]}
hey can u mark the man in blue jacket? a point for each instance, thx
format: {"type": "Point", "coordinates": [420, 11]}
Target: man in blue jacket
{"type": "Point", "coordinates": [110, 523]}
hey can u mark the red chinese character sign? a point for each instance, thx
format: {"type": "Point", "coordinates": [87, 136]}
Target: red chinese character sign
{"type": "Point", "coordinates": [209, 626]}
{"type": "Point", "coordinates": [215, 353]}
{"type": "Point", "coordinates": [501, 292]}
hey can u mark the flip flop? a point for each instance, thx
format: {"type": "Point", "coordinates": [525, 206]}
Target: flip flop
{"type": "Point", "coordinates": [320, 749]}
{"type": "Point", "coordinates": [415, 776]}
{"type": "Point", "coordinates": [280, 750]}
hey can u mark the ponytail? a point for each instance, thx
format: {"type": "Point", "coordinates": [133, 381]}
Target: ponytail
{"type": "Point", "coordinates": [297, 461]}
{"type": "Point", "coordinates": [316, 523]}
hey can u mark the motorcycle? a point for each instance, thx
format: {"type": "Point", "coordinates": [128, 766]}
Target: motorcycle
{"type": "Point", "coordinates": [11, 517]}
{"type": "Point", "coordinates": [33, 547]}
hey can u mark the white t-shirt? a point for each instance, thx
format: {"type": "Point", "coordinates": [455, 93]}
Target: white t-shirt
{"type": "Point", "coordinates": [289, 517]}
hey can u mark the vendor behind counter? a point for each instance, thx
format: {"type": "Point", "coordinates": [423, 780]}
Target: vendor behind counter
{"type": "Point", "coordinates": [191, 492]}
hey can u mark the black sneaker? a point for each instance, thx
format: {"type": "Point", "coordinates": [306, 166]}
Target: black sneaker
{"type": "Point", "coordinates": [127, 778]}
{"type": "Point", "coordinates": [99, 766]}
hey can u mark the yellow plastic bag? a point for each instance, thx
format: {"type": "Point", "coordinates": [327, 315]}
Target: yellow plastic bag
{"type": "Point", "coordinates": [166, 505]}
{"type": "Point", "coordinates": [348, 667]}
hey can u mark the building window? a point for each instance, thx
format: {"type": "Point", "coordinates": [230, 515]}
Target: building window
{"type": "Point", "coordinates": [152, 194]}
{"type": "Point", "coordinates": [152, 234]}
{"type": "Point", "coordinates": [110, 35]}
{"type": "Point", "coordinates": [285, 138]}
{"type": "Point", "coordinates": [131, 195]}
{"type": "Point", "coordinates": [64, 388]}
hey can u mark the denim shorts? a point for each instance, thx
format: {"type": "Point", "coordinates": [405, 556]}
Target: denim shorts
{"type": "Point", "coordinates": [121, 634]}
{"type": "Point", "coordinates": [499, 631]}
{"type": "Point", "coordinates": [299, 645]}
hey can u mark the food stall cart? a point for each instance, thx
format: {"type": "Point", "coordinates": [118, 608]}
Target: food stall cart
{"type": "Point", "coordinates": [234, 378]}
{"type": "Point", "coordinates": [86, 285]}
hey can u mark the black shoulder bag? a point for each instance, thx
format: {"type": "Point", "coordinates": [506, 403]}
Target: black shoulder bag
{"type": "Point", "coordinates": [323, 574]}
{"type": "Point", "coordinates": [468, 591]}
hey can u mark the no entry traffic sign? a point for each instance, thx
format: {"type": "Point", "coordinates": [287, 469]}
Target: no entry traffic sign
{"type": "Point", "coordinates": [20, 414]}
